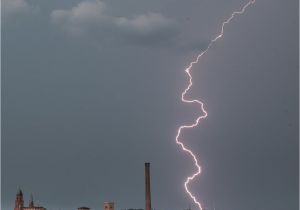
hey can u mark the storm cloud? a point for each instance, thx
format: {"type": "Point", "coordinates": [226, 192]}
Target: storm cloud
{"type": "Point", "coordinates": [90, 18]}
{"type": "Point", "coordinates": [86, 100]}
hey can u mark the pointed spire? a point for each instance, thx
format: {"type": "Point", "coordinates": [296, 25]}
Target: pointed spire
{"type": "Point", "coordinates": [31, 204]}
{"type": "Point", "coordinates": [19, 192]}
{"type": "Point", "coordinates": [19, 203]}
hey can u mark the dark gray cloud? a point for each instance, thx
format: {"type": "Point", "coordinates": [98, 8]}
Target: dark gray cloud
{"type": "Point", "coordinates": [78, 121]}
{"type": "Point", "coordinates": [192, 46]}
{"type": "Point", "coordinates": [90, 18]}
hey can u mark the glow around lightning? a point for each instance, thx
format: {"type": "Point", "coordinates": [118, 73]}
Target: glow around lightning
{"type": "Point", "coordinates": [203, 111]}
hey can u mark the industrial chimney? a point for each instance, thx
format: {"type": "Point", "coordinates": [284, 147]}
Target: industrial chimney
{"type": "Point", "coordinates": [147, 187]}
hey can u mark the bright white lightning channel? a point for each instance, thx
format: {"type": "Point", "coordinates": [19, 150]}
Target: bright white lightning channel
{"type": "Point", "coordinates": [204, 115]}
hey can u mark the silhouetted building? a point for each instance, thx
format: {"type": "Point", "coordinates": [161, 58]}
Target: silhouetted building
{"type": "Point", "coordinates": [83, 208]}
{"type": "Point", "coordinates": [19, 203]}
{"type": "Point", "coordinates": [108, 206]}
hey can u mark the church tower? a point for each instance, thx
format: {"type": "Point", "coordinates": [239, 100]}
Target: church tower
{"type": "Point", "coordinates": [31, 204]}
{"type": "Point", "coordinates": [19, 203]}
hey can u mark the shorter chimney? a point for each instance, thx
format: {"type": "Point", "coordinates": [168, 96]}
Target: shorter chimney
{"type": "Point", "coordinates": [108, 206]}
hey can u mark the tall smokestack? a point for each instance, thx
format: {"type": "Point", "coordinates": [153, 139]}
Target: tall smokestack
{"type": "Point", "coordinates": [147, 187]}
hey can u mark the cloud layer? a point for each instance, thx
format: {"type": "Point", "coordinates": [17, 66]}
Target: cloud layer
{"type": "Point", "coordinates": [90, 17]}
{"type": "Point", "coordinates": [15, 7]}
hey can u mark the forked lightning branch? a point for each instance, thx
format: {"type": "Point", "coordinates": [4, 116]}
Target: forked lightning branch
{"type": "Point", "coordinates": [201, 104]}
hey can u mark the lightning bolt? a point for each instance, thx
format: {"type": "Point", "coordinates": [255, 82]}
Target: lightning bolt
{"type": "Point", "coordinates": [201, 104]}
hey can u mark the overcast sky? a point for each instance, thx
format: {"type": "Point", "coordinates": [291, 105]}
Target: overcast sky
{"type": "Point", "coordinates": [91, 90]}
